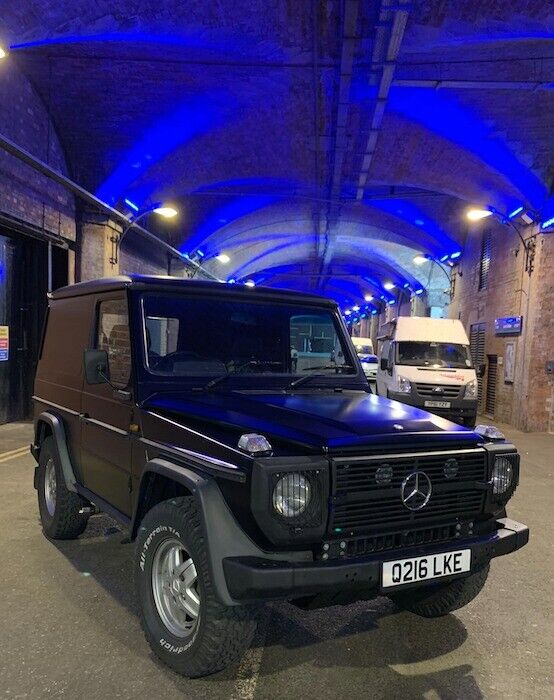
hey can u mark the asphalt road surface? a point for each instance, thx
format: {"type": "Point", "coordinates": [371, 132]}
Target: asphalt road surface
{"type": "Point", "coordinates": [69, 626]}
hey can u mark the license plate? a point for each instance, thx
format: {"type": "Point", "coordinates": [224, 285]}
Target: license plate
{"type": "Point", "coordinates": [437, 404]}
{"type": "Point", "coordinates": [398, 573]}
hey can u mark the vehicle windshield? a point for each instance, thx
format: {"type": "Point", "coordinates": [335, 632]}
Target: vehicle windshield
{"type": "Point", "coordinates": [213, 337]}
{"type": "Point", "coordinates": [439, 355]}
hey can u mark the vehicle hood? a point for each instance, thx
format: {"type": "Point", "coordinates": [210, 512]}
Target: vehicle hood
{"type": "Point", "coordinates": [317, 420]}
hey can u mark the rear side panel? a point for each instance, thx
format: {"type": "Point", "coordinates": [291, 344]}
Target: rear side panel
{"type": "Point", "coordinates": [59, 377]}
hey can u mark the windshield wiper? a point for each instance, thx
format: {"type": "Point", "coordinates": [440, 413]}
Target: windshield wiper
{"type": "Point", "coordinates": [332, 367]}
{"type": "Point", "coordinates": [303, 380]}
{"type": "Point", "coordinates": [217, 380]}
{"type": "Point", "coordinates": [307, 377]}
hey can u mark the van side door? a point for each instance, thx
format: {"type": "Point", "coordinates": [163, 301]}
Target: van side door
{"type": "Point", "coordinates": [107, 412]}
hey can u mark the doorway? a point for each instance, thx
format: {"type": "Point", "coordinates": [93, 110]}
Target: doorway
{"type": "Point", "coordinates": [23, 303]}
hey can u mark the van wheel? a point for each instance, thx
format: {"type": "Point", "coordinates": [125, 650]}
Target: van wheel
{"type": "Point", "coordinates": [59, 508]}
{"type": "Point", "coordinates": [440, 599]}
{"type": "Point", "coordinates": [184, 623]}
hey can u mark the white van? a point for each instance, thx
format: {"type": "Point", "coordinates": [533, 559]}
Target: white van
{"type": "Point", "coordinates": [364, 350]}
{"type": "Point", "coordinates": [425, 362]}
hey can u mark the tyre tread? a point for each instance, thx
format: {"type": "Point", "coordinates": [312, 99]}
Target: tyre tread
{"type": "Point", "coordinates": [67, 523]}
{"type": "Point", "coordinates": [436, 602]}
{"type": "Point", "coordinates": [230, 629]}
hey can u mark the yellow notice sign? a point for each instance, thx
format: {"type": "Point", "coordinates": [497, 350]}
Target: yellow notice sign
{"type": "Point", "coordinates": [4, 343]}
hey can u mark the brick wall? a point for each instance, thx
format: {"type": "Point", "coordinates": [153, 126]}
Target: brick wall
{"type": "Point", "coordinates": [527, 402]}
{"type": "Point", "coordinates": [24, 193]}
{"type": "Point", "coordinates": [540, 413]}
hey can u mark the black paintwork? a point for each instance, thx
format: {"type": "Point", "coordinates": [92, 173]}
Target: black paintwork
{"type": "Point", "coordinates": [173, 418]}
{"type": "Point", "coordinates": [317, 420]}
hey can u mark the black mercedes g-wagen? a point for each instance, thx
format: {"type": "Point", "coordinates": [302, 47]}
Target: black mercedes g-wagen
{"type": "Point", "coordinates": [233, 432]}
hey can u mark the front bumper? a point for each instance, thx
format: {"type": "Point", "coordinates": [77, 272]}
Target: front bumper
{"type": "Point", "coordinates": [252, 579]}
{"type": "Point", "coordinates": [461, 411]}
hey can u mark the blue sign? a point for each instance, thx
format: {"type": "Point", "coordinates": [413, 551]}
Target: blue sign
{"type": "Point", "coordinates": [509, 325]}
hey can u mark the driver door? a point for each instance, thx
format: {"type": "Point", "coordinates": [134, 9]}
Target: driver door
{"type": "Point", "coordinates": [107, 413]}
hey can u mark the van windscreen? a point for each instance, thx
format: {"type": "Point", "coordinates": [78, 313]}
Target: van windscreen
{"type": "Point", "coordinates": [439, 355]}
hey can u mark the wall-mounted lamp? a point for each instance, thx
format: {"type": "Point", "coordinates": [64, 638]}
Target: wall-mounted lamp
{"type": "Point", "coordinates": [159, 209]}
{"type": "Point", "coordinates": [478, 214]}
{"type": "Point", "coordinates": [528, 217]}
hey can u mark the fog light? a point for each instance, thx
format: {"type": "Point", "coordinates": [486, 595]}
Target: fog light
{"type": "Point", "coordinates": [502, 475]}
{"type": "Point", "coordinates": [291, 495]}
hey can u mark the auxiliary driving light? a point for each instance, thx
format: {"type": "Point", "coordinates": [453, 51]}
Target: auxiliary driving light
{"type": "Point", "coordinates": [291, 495]}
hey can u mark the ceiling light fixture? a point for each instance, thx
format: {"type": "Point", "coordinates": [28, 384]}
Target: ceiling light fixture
{"type": "Point", "coordinates": [368, 297]}
{"type": "Point", "coordinates": [515, 212]}
{"type": "Point", "coordinates": [3, 52]}
{"type": "Point", "coordinates": [223, 258]}
{"type": "Point", "coordinates": [250, 283]}
{"type": "Point", "coordinates": [388, 286]}
{"type": "Point", "coordinates": [420, 259]}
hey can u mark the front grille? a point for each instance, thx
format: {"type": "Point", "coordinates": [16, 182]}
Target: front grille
{"type": "Point", "coordinates": [438, 391]}
{"type": "Point", "coordinates": [367, 491]}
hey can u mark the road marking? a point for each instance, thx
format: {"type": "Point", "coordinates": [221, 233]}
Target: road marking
{"type": "Point", "coordinates": [13, 454]}
{"type": "Point", "coordinates": [249, 668]}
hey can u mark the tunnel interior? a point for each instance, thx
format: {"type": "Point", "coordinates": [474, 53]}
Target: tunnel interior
{"type": "Point", "coordinates": [328, 147]}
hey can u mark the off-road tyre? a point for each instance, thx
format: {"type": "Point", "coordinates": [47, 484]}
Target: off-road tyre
{"type": "Point", "coordinates": [66, 522]}
{"type": "Point", "coordinates": [221, 633]}
{"type": "Point", "coordinates": [440, 599]}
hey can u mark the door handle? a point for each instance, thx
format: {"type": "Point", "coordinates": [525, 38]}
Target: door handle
{"type": "Point", "coordinates": [84, 416]}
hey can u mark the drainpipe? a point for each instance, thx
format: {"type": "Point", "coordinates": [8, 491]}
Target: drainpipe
{"type": "Point", "coordinates": [44, 169]}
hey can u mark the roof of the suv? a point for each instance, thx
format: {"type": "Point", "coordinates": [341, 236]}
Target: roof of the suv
{"type": "Point", "coordinates": [141, 282]}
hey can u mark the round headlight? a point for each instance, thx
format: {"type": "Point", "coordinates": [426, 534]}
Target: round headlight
{"type": "Point", "coordinates": [291, 495]}
{"type": "Point", "coordinates": [502, 475]}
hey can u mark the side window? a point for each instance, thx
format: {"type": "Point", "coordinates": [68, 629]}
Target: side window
{"type": "Point", "coordinates": [113, 337]}
{"type": "Point", "coordinates": [391, 355]}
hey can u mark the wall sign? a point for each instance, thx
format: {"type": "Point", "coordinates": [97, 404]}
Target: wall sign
{"type": "Point", "coordinates": [4, 343]}
{"type": "Point", "coordinates": [509, 325]}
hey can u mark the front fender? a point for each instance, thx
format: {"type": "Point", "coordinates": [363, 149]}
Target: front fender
{"type": "Point", "coordinates": [223, 535]}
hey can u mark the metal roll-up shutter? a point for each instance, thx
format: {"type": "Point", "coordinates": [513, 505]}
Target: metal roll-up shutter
{"type": "Point", "coordinates": [477, 349]}
{"type": "Point", "coordinates": [492, 373]}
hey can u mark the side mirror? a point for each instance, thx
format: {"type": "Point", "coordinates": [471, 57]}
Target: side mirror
{"type": "Point", "coordinates": [384, 364]}
{"type": "Point", "coordinates": [480, 370]}
{"type": "Point", "coordinates": [96, 367]}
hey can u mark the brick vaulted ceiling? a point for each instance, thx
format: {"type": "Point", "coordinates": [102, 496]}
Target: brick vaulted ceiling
{"type": "Point", "coordinates": [320, 143]}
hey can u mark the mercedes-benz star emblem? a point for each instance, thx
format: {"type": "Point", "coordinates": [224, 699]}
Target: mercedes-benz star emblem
{"type": "Point", "coordinates": [415, 491]}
